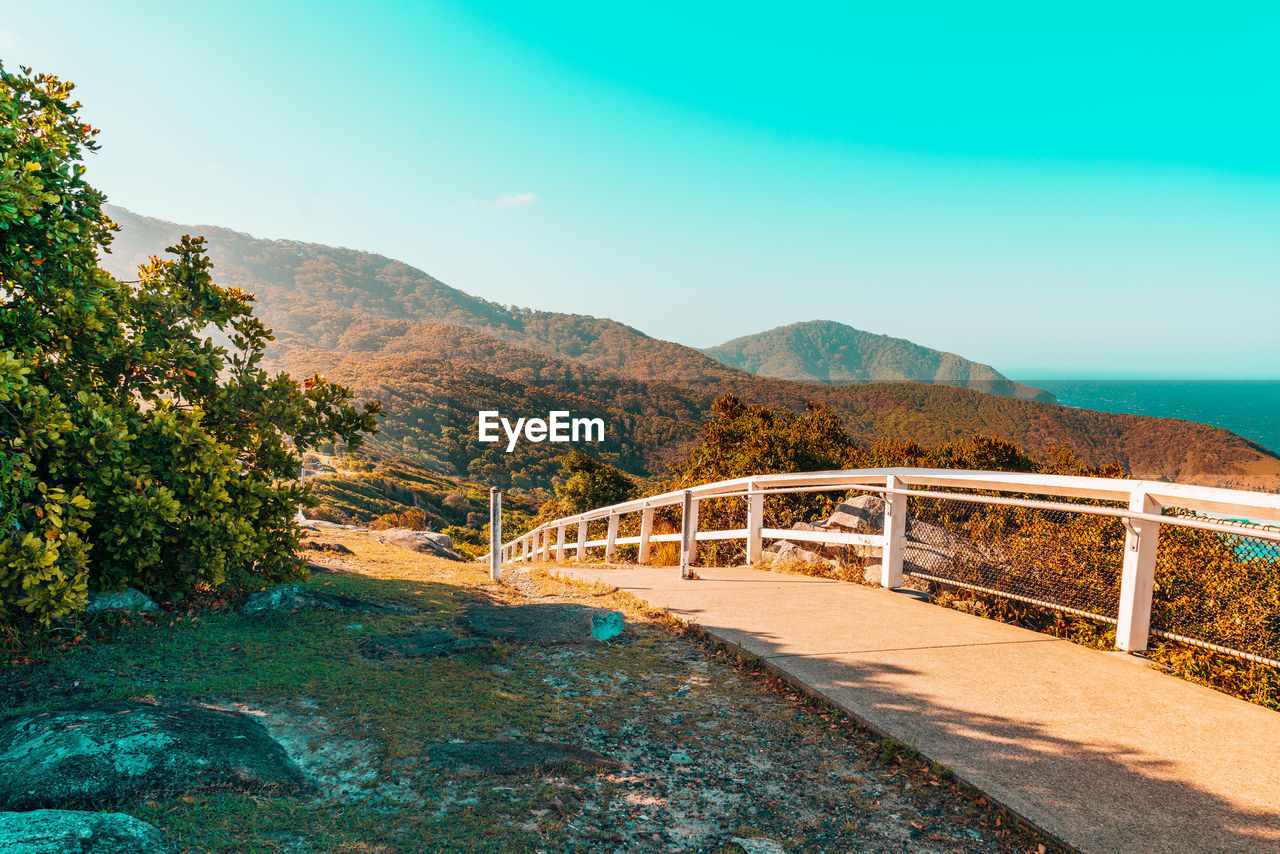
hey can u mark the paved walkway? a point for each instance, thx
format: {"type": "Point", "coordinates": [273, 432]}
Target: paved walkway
{"type": "Point", "coordinates": [1093, 747]}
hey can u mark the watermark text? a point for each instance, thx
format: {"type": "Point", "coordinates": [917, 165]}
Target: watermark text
{"type": "Point", "coordinates": [558, 426]}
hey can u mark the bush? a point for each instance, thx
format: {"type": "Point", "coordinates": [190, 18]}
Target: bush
{"type": "Point", "coordinates": [133, 450]}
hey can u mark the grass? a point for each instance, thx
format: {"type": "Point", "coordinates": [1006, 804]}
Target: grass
{"type": "Point", "coordinates": [766, 760]}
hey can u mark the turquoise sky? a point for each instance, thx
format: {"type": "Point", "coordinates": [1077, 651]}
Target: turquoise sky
{"type": "Point", "coordinates": [1079, 190]}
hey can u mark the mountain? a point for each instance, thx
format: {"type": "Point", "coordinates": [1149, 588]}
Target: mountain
{"type": "Point", "coordinates": [823, 351]}
{"type": "Point", "coordinates": [436, 355]}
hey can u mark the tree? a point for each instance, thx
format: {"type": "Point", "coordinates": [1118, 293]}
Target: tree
{"type": "Point", "coordinates": [133, 449]}
{"type": "Point", "coordinates": [585, 484]}
{"type": "Point", "coordinates": [742, 439]}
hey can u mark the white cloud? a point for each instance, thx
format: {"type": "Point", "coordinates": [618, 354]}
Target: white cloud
{"type": "Point", "coordinates": [506, 200]}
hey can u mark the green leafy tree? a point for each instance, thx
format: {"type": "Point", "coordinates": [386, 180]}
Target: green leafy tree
{"type": "Point", "coordinates": [741, 439]}
{"type": "Point", "coordinates": [586, 483]}
{"type": "Point", "coordinates": [133, 449]}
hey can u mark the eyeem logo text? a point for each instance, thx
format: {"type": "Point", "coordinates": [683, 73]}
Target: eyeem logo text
{"type": "Point", "coordinates": [556, 427]}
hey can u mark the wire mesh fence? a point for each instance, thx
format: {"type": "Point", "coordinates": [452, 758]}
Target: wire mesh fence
{"type": "Point", "coordinates": [1218, 590]}
{"type": "Point", "coordinates": [1055, 558]}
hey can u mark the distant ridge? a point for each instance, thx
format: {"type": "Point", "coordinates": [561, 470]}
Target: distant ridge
{"type": "Point", "coordinates": [824, 351]}
{"type": "Point", "coordinates": [435, 355]}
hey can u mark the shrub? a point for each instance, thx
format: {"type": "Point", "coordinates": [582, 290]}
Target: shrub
{"type": "Point", "coordinates": [133, 450]}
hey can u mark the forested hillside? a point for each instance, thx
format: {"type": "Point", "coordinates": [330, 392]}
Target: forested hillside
{"type": "Point", "coordinates": [823, 351]}
{"type": "Point", "coordinates": [435, 356]}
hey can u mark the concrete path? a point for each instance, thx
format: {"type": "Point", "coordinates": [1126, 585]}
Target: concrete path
{"type": "Point", "coordinates": [1093, 747]}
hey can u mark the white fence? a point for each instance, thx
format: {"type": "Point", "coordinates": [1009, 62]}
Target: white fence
{"type": "Point", "coordinates": [1141, 507]}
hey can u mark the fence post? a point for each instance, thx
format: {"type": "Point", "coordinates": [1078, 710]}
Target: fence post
{"type": "Point", "coordinates": [646, 531]}
{"type": "Point", "coordinates": [1138, 580]}
{"type": "Point", "coordinates": [542, 545]}
{"type": "Point", "coordinates": [755, 521]}
{"type": "Point", "coordinates": [611, 541]}
{"type": "Point", "coordinates": [895, 535]}
{"type": "Point", "coordinates": [688, 535]}
{"type": "Point", "coordinates": [524, 549]}
{"type": "Point", "coordinates": [582, 541]}
{"type": "Point", "coordinates": [495, 533]}
{"type": "Point", "coordinates": [560, 542]}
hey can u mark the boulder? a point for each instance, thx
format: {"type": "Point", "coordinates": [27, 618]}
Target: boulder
{"type": "Point", "coordinates": [545, 624]}
{"type": "Point", "coordinates": [115, 752]}
{"type": "Point", "coordinates": [288, 598]}
{"type": "Point", "coordinates": [322, 525]}
{"type": "Point", "coordinates": [863, 514]}
{"type": "Point", "coordinates": [785, 551]}
{"type": "Point", "coordinates": [931, 549]}
{"type": "Point", "coordinates": [513, 757]}
{"type": "Point", "coordinates": [439, 539]}
{"type": "Point", "coordinates": [426, 542]}
{"type": "Point", "coordinates": [429, 643]}
{"type": "Point", "coordinates": [129, 600]}
{"type": "Point", "coordinates": [77, 832]}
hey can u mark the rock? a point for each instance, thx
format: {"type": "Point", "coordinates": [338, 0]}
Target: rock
{"type": "Point", "coordinates": [439, 539]}
{"type": "Point", "coordinates": [864, 515]}
{"type": "Point", "coordinates": [77, 832]}
{"type": "Point", "coordinates": [931, 549]}
{"type": "Point", "coordinates": [758, 845]}
{"type": "Point", "coordinates": [426, 542]}
{"type": "Point", "coordinates": [114, 752]}
{"type": "Point", "coordinates": [331, 548]}
{"type": "Point", "coordinates": [545, 624]}
{"type": "Point", "coordinates": [431, 643]}
{"type": "Point", "coordinates": [513, 757]}
{"type": "Point", "coordinates": [785, 551]}
{"type": "Point", "coordinates": [129, 600]}
{"type": "Point", "coordinates": [287, 598]}
{"type": "Point", "coordinates": [321, 525]}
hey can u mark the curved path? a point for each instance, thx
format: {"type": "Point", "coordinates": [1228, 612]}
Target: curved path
{"type": "Point", "coordinates": [1093, 747]}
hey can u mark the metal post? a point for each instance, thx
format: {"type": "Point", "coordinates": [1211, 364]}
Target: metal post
{"type": "Point", "coordinates": [646, 531]}
{"type": "Point", "coordinates": [582, 541]}
{"type": "Point", "coordinates": [755, 521]}
{"type": "Point", "coordinates": [1133, 619]}
{"type": "Point", "coordinates": [688, 535]}
{"type": "Point", "coordinates": [611, 540]}
{"type": "Point", "coordinates": [495, 533]}
{"type": "Point", "coordinates": [895, 535]}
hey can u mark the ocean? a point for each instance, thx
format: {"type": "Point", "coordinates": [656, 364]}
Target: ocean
{"type": "Point", "coordinates": [1250, 408]}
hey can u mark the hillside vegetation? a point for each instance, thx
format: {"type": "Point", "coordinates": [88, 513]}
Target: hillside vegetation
{"type": "Point", "coordinates": [823, 351]}
{"type": "Point", "coordinates": [435, 356]}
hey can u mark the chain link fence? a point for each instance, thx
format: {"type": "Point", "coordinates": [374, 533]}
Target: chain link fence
{"type": "Point", "coordinates": [1214, 590]}
{"type": "Point", "coordinates": [1067, 561]}
{"type": "Point", "coordinates": [1221, 591]}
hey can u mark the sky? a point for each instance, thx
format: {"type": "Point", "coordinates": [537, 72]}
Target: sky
{"type": "Point", "coordinates": [1086, 190]}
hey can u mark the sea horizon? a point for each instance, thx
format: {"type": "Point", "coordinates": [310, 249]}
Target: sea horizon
{"type": "Point", "coordinates": [1247, 407]}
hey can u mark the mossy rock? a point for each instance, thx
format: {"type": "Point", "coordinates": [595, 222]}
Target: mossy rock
{"type": "Point", "coordinates": [545, 624]}
{"type": "Point", "coordinates": [119, 752]}
{"type": "Point", "coordinates": [78, 832]}
{"type": "Point", "coordinates": [288, 598]}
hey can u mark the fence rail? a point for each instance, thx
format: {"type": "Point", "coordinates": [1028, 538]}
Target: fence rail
{"type": "Point", "coordinates": [1101, 551]}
